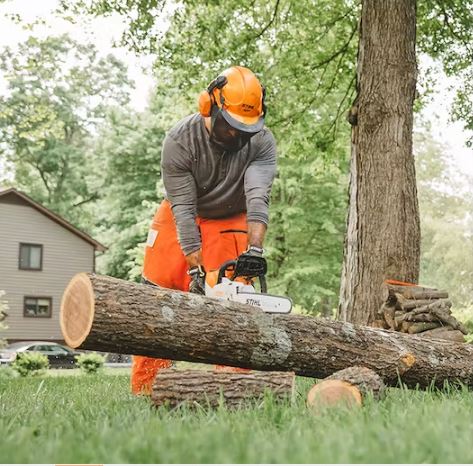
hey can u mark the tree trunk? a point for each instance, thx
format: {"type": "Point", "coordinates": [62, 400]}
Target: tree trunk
{"type": "Point", "coordinates": [349, 386]}
{"type": "Point", "coordinates": [108, 314]}
{"type": "Point", "coordinates": [383, 233]}
{"type": "Point", "coordinates": [175, 387]}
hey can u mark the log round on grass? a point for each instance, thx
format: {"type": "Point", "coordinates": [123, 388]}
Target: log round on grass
{"type": "Point", "coordinates": [333, 393]}
{"type": "Point", "coordinates": [174, 387]}
{"type": "Point", "coordinates": [112, 315]}
{"type": "Point", "coordinates": [348, 387]}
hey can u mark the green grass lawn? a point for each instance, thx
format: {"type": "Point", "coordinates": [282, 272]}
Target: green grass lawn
{"type": "Point", "coordinates": [94, 419]}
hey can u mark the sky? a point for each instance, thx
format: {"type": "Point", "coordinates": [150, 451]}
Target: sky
{"type": "Point", "coordinates": [104, 31]}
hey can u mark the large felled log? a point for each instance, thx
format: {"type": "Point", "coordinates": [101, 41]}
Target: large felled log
{"type": "Point", "coordinates": [112, 315]}
{"type": "Point", "coordinates": [174, 387]}
{"type": "Point", "coordinates": [348, 387]}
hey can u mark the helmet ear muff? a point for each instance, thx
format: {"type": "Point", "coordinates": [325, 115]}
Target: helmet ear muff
{"type": "Point", "coordinates": [205, 104]}
{"type": "Point", "coordinates": [207, 98]}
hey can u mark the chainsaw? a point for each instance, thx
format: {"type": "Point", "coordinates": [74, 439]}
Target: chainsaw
{"type": "Point", "coordinates": [226, 286]}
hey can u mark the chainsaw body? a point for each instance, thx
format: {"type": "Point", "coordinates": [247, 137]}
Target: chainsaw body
{"type": "Point", "coordinates": [229, 287]}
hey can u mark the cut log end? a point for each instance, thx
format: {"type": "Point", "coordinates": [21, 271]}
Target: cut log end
{"type": "Point", "coordinates": [77, 310]}
{"type": "Point", "coordinates": [333, 393]}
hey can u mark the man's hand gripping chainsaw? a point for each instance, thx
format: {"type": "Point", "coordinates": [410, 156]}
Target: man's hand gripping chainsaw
{"type": "Point", "coordinates": [234, 282]}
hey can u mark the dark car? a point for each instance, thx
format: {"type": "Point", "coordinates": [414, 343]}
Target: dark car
{"type": "Point", "coordinates": [59, 356]}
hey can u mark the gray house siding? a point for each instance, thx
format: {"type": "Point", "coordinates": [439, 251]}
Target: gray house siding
{"type": "Point", "coordinates": [64, 255]}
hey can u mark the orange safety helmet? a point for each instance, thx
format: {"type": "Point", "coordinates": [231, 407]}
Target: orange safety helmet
{"type": "Point", "coordinates": [239, 96]}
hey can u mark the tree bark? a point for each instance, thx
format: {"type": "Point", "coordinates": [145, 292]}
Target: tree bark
{"type": "Point", "coordinates": [112, 315]}
{"type": "Point", "coordinates": [383, 232]}
{"type": "Point", "coordinates": [175, 387]}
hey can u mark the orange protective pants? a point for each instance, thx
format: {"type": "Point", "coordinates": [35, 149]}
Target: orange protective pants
{"type": "Point", "coordinates": [165, 265]}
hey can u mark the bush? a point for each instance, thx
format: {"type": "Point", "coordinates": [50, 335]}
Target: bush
{"type": "Point", "coordinates": [30, 363]}
{"type": "Point", "coordinates": [90, 363]}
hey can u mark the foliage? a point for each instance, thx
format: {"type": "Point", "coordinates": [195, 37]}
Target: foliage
{"type": "Point", "coordinates": [305, 239]}
{"type": "Point", "coordinates": [58, 411]}
{"type": "Point", "coordinates": [90, 363]}
{"type": "Point", "coordinates": [465, 315]}
{"type": "Point", "coordinates": [58, 91]}
{"type": "Point", "coordinates": [446, 206]}
{"type": "Point", "coordinates": [128, 154]}
{"type": "Point", "coordinates": [445, 32]}
{"type": "Point", "coordinates": [216, 33]}
{"type": "Point", "coordinates": [30, 363]}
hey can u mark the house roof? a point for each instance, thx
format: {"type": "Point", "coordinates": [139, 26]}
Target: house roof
{"type": "Point", "coordinates": [26, 200]}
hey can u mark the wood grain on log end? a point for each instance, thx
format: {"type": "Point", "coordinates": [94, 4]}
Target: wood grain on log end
{"type": "Point", "coordinates": [77, 310]}
{"type": "Point", "coordinates": [333, 393]}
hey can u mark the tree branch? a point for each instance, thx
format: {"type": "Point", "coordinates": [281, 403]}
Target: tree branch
{"type": "Point", "coordinates": [342, 50]}
{"type": "Point", "coordinates": [275, 12]}
{"type": "Point", "coordinates": [448, 24]}
{"type": "Point", "coordinates": [93, 197]}
{"type": "Point", "coordinates": [348, 95]}
{"type": "Point", "coordinates": [340, 53]}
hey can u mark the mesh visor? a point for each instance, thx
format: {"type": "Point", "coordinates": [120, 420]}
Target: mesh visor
{"type": "Point", "coordinates": [226, 135]}
{"type": "Point", "coordinates": [244, 124]}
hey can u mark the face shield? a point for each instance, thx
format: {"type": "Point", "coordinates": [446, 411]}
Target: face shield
{"type": "Point", "coordinates": [227, 136]}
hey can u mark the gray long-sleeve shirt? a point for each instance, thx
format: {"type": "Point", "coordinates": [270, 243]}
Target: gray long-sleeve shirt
{"type": "Point", "coordinates": [202, 179]}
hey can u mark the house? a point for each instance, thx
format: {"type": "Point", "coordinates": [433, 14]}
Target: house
{"type": "Point", "coordinates": [39, 253]}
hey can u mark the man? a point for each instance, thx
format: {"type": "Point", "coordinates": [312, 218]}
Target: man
{"type": "Point", "coordinates": [218, 166]}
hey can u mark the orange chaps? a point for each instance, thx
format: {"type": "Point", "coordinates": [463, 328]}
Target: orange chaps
{"type": "Point", "coordinates": [165, 265]}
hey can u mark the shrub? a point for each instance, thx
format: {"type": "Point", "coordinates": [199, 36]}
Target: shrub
{"type": "Point", "coordinates": [90, 363]}
{"type": "Point", "coordinates": [30, 363]}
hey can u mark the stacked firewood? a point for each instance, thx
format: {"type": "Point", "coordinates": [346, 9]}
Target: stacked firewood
{"type": "Point", "coordinates": [419, 310]}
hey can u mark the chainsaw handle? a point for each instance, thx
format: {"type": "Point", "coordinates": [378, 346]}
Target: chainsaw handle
{"type": "Point", "coordinates": [223, 268]}
{"type": "Point", "coordinates": [232, 263]}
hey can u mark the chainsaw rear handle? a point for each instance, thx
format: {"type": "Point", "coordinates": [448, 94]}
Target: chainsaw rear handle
{"type": "Point", "coordinates": [229, 265]}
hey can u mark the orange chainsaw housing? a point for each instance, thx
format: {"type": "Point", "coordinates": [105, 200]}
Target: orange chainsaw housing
{"type": "Point", "coordinates": [165, 265]}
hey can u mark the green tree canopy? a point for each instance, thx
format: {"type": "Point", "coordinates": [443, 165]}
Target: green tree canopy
{"type": "Point", "coordinates": [446, 206]}
{"type": "Point", "coordinates": [58, 92]}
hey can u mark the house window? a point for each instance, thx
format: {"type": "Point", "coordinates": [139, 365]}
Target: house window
{"type": "Point", "coordinates": [31, 256]}
{"type": "Point", "coordinates": [37, 307]}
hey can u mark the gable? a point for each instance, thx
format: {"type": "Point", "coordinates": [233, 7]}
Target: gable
{"type": "Point", "coordinates": [14, 197]}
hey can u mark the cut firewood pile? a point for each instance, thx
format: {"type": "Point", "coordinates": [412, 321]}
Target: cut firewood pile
{"type": "Point", "coordinates": [419, 310]}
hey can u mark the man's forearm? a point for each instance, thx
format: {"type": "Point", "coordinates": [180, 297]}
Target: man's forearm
{"type": "Point", "coordinates": [194, 259]}
{"type": "Point", "coordinates": [256, 233]}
